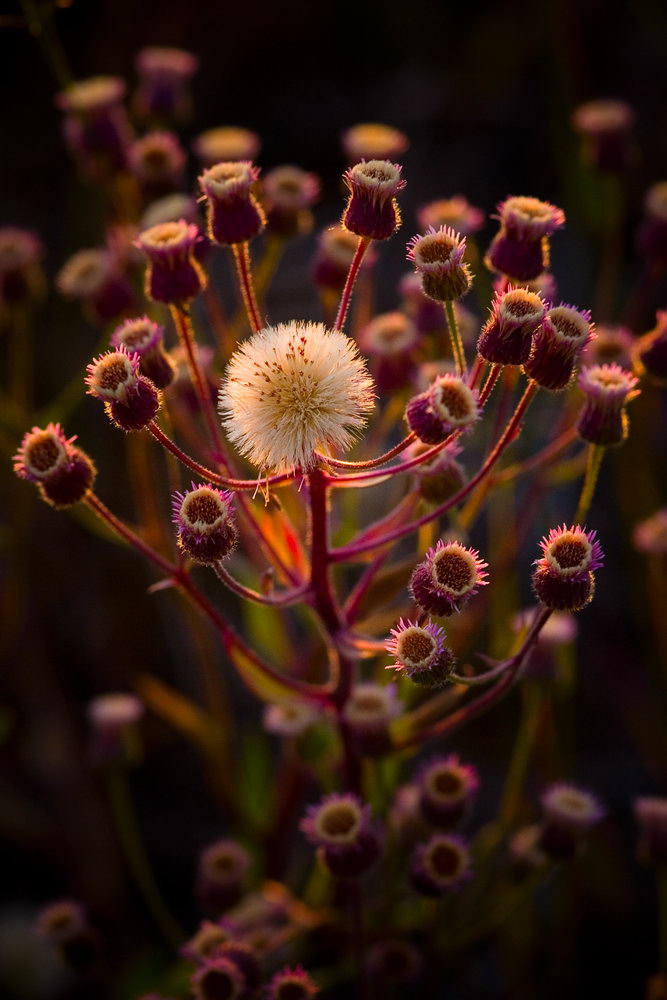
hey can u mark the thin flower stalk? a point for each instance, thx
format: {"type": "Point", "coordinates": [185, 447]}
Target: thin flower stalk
{"type": "Point", "coordinates": [593, 464]}
{"type": "Point", "coordinates": [241, 253]}
{"type": "Point", "coordinates": [352, 274]}
{"type": "Point", "coordinates": [456, 342]}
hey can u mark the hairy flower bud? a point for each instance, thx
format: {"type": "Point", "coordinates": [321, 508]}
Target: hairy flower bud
{"type": "Point", "coordinates": [145, 338]}
{"type": "Point", "coordinates": [438, 258]}
{"type": "Point", "coordinates": [173, 275]}
{"type": "Point", "coordinates": [372, 210]}
{"type": "Point", "coordinates": [66, 927]}
{"type": "Point", "coordinates": [521, 248]}
{"type": "Point", "coordinates": [441, 865]}
{"type": "Point", "coordinates": [131, 400]}
{"type": "Point", "coordinates": [603, 420]}
{"type": "Point", "coordinates": [507, 336]}
{"type": "Point", "coordinates": [447, 789]}
{"type": "Point", "coordinates": [221, 871]}
{"type": "Point", "coordinates": [563, 579]}
{"type": "Point", "coordinates": [234, 214]}
{"type": "Point", "coordinates": [21, 276]}
{"type": "Point", "coordinates": [158, 162]}
{"type": "Point", "coordinates": [447, 578]}
{"type": "Point", "coordinates": [421, 652]}
{"type": "Point", "coordinates": [95, 278]}
{"type": "Point", "coordinates": [163, 92]}
{"type": "Point", "coordinates": [557, 346]}
{"type": "Point", "coordinates": [449, 404]}
{"type": "Point", "coordinates": [569, 813]}
{"type": "Point", "coordinates": [64, 474]}
{"type": "Point", "coordinates": [96, 127]}
{"type": "Point", "coordinates": [340, 826]}
{"type": "Point", "coordinates": [440, 477]}
{"type": "Point", "coordinates": [203, 516]}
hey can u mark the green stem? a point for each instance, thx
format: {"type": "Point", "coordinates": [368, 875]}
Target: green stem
{"type": "Point", "coordinates": [525, 738]}
{"type": "Point", "coordinates": [595, 456]}
{"type": "Point", "coordinates": [457, 343]}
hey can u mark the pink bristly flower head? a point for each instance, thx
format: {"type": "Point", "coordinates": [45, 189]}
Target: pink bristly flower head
{"type": "Point", "coordinates": [569, 813]}
{"type": "Point", "coordinates": [650, 535]}
{"type": "Point", "coordinates": [222, 868]}
{"type": "Point", "coordinates": [203, 517]}
{"type": "Point", "coordinates": [441, 865]}
{"type": "Point", "coordinates": [164, 74]}
{"type": "Point", "coordinates": [393, 962]}
{"type": "Point", "coordinates": [557, 346]}
{"type": "Point", "coordinates": [391, 341]}
{"type": "Point", "coordinates": [606, 126]}
{"type": "Point", "coordinates": [651, 816]}
{"type": "Point", "coordinates": [131, 400]}
{"type": "Point", "coordinates": [372, 211]}
{"type": "Point", "coordinates": [447, 790]}
{"type": "Point", "coordinates": [336, 247]}
{"type": "Point", "coordinates": [456, 212]}
{"type": "Point", "coordinates": [652, 233]}
{"type": "Point", "coordinates": [173, 275]}
{"type": "Point", "coordinates": [234, 214]}
{"type": "Point", "coordinates": [96, 127]}
{"type": "Point", "coordinates": [441, 476]}
{"type": "Point", "coordinates": [373, 141]}
{"type": "Point", "coordinates": [448, 405]}
{"type": "Point", "coordinates": [563, 579]}
{"type": "Point", "coordinates": [369, 711]}
{"type": "Point", "coordinates": [219, 976]}
{"type": "Point", "coordinates": [507, 336]}
{"type": "Point", "coordinates": [63, 473]}
{"type": "Point", "coordinates": [421, 652]}
{"type": "Point", "coordinates": [649, 353]}
{"type": "Point", "coordinates": [226, 143]}
{"type": "Point", "coordinates": [291, 984]}
{"type": "Point", "coordinates": [205, 942]}
{"type": "Point", "coordinates": [603, 420]}
{"type": "Point", "coordinates": [438, 258]}
{"type": "Point", "coordinates": [144, 337]}
{"type": "Point", "coordinates": [289, 193]}
{"type": "Point", "coordinates": [158, 162]}
{"type": "Point", "coordinates": [289, 719]}
{"type": "Point", "coordinates": [448, 577]}
{"type": "Point", "coordinates": [95, 278]}
{"type": "Point", "coordinates": [611, 345]}
{"type": "Point", "coordinates": [340, 826]}
{"type": "Point", "coordinates": [520, 250]}
{"type": "Point", "coordinates": [21, 277]}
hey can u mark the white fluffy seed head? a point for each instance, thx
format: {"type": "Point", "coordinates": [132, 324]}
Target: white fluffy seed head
{"type": "Point", "coordinates": [293, 389]}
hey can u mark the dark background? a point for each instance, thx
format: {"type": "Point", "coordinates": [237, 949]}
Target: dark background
{"type": "Point", "coordinates": [484, 92]}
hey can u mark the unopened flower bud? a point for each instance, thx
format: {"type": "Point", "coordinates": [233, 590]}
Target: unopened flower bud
{"type": "Point", "coordinates": [203, 516]}
{"type": "Point", "coordinates": [340, 825]}
{"type": "Point", "coordinates": [174, 275]}
{"type": "Point", "coordinates": [391, 341]}
{"type": "Point", "coordinates": [226, 144]}
{"type": "Point", "coordinates": [222, 869]}
{"type": "Point", "coordinates": [569, 813]}
{"type": "Point", "coordinates": [158, 162]}
{"type": "Point", "coordinates": [456, 213]}
{"type": "Point", "coordinates": [447, 578]}
{"type": "Point", "coordinates": [563, 579]}
{"type": "Point", "coordinates": [606, 129]}
{"type": "Point", "coordinates": [450, 404]}
{"type": "Point", "coordinates": [603, 420]}
{"type": "Point", "coordinates": [438, 258]}
{"type": "Point", "coordinates": [289, 194]}
{"type": "Point", "coordinates": [447, 790]}
{"type": "Point", "coordinates": [64, 474]}
{"type": "Point", "coordinates": [649, 353]}
{"type": "Point", "coordinates": [145, 338]}
{"type": "Point", "coordinates": [373, 141]}
{"type": "Point", "coordinates": [96, 127]}
{"type": "Point", "coordinates": [164, 74]}
{"type": "Point", "coordinates": [507, 336]}
{"type": "Point", "coordinates": [131, 400]}
{"type": "Point", "coordinates": [557, 346]}
{"type": "Point", "coordinates": [441, 865]}
{"type": "Point", "coordinates": [368, 712]}
{"type": "Point", "coordinates": [372, 211]}
{"type": "Point", "coordinates": [521, 249]}
{"type": "Point", "coordinates": [234, 214]}
{"type": "Point", "coordinates": [21, 276]}
{"type": "Point", "coordinates": [421, 651]}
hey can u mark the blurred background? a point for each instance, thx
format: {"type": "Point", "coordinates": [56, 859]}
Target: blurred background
{"type": "Point", "coordinates": [484, 93]}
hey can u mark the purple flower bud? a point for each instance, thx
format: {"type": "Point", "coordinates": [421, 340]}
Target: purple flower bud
{"type": "Point", "coordinates": [219, 977]}
{"type": "Point", "coordinates": [96, 127]}
{"type": "Point", "coordinates": [203, 516]}
{"type": "Point", "coordinates": [447, 578]}
{"type": "Point", "coordinates": [393, 962]}
{"type": "Point", "coordinates": [21, 277]}
{"type": "Point", "coordinates": [225, 144]}
{"type": "Point", "coordinates": [521, 249]}
{"type": "Point", "coordinates": [456, 212]}
{"type": "Point", "coordinates": [606, 129]}
{"type": "Point", "coordinates": [441, 476]}
{"type": "Point", "coordinates": [447, 790]}
{"type": "Point", "coordinates": [174, 275]}
{"type": "Point", "coordinates": [563, 579]}
{"type": "Point", "coordinates": [95, 278]}
{"type": "Point", "coordinates": [373, 141]}
{"type": "Point", "coordinates": [448, 405]}
{"type": "Point", "coordinates": [205, 942]}
{"type": "Point", "coordinates": [158, 162]}
{"type": "Point", "coordinates": [291, 984]}
{"type": "Point", "coordinates": [234, 214]}
{"type": "Point", "coordinates": [420, 651]}
{"type": "Point", "coordinates": [649, 353]}
{"type": "Point", "coordinates": [164, 75]}
{"type": "Point", "coordinates": [288, 194]}
{"type": "Point", "coordinates": [47, 457]}
{"type": "Point", "coordinates": [391, 341]}
{"type": "Point", "coordinates": [441, 865]}
{"type": "Point", "coordinates": [569, 813]}
{"type": "Point", "coordinates": [557, 345]}
{"type": "Point", "coordinates": [651, 816]}
{"type": "Point", "coordinates": [340, 825]}
{"type": "Point", "coordinates": [222, 869]}
{"type": "Point", "coordinates": [611, 345]}
{"type": "Point", "coordinates": [368, 712]}
{"type": "Point", "coordinates": [372, 210]}
{"type": "Point", "coordinates": [144, 337]}
{"type": "Point", "coordinates": [603, 420]}
{"type": "Point", "coordinates": [336, 248]}
{"type": "Point", "coordinates": [438, 258]}
{"type": "Point", "coordinates": [130, 399]}
{"type": "Point", "coordinates": [507, 336]}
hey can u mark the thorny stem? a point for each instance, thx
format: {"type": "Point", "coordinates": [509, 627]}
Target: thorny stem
{"type": "Point", "coordinates": [455, 338]}
{"type": "Point", "coordinates": [594, 461]}
{"type": "Point", "coordinates": [241, 253]}
{"type": "Point", "coordinates": [357, 548]}
{"type": "Point", "coordinates": [362, 247]}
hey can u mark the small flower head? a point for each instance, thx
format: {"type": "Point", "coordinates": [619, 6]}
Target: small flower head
{"type": "Point", "coordinates": [420, 651]}
{"type": "Point", "coordinates": [164, 74]}
{"type": "Point", "coordinates": [447, 578]}
{"type": "Point", "coordinates": [521, 249]}
{"type": "Point", "coordinates": [373, 141]}
{"type": "Point", "coordinates": [21, 277]}
{"type": "Point", "coordinates": [605, 126]}
{"type": "Point", "coordinates": [289, 719]}
{"type": "Point", "coordinates": [96, 128]}
{"type": "Point", "coordinates": [226, 143]}
{"type": "Point", "coordinates": [158, 161]}
{"type": "Point", "coordinates": [391, 341]}
{"type": "Point", "coordinates": [203, 517]}
{"type": "Point", "coordinates": [219, 977]}
{"type": "Point", "coordinates": [507, 336]}
{"type": "Point", "coordinates": [393, 962]}
{"type": "Point", "coordinates": [145, 338]}
{"type": "Point", "coordinates": [372, 210]}
{"type": "Point", "coordinates": [336, 248]}
{"type": "Point", "coordinates": [173, 274]}
{"type": "Point", "coordinates": [650, 535]}
{"type": "Point", "coordinates": [563, 579]}
{"type": "Point", "coordinates": [234, 214]}
{"type": "Point", "coordinates": [438, 258]}
{"type": "Point", "coordinates": [340, 826]}
{"type": "Point", "coordinates": [651, 816]}
{"type": "Point", "coordinates": [221, 870]}
{"type": "Point", "coordinates": [130, 399]}
{"type": "Point", "coordinates": [368, 712]}
{"type": "Point", "coordinates": [63, 472]}
{"type": "Point", "coordinates": [649, 353]}
{"type": "Point", "coordinates": [603, 420]}
{"type": "Point", "coordinates": [292, 389]}
{"type": "Point", "coordinates": [440, 477]}
{"type": "Point", "coordinates": [289, 193]}
{"type": "Point", "coordinates": [447, 789]}
{"type": "Point", "coordinates": [450, 404]}
{"type": "Point", "coordinates": [611, 345]}
{"type": "Point", "coordinates": [292, 984]}
{"type": "Point", "coordinates": [94, 277]}
{"type": "Point", "coordinates": [441, 865]}
{"type": "Point", "coordinates": [65, 926]}
{"type": "Point", "coordinates": [557, 346]}
{"type": "Point", "coordinates": [569, 813]}
{"type": "Point", "coordinates": [456, 212]}
{"type": "Point", "coordinates": [205, 941]}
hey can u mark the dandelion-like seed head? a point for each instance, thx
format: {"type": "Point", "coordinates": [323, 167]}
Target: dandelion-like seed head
{"type": "Point", "coordinates": [113, 374]}
{"type": "Point", "coordinates": [569, 552]}
{"type": "Point", "coordinates": [292, 389]}
{"type": "Point", "coordinates": [456, 213]}
{"type": "Point", "coordinates": [226, 143]}
{"type": "Point", "coordinates": [373, 141]}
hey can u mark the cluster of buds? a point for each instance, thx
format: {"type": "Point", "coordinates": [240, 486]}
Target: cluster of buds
{"type": "Point", "coordinates": [563, 579]}
{"type": "Point", "coordinates": [63, 473]}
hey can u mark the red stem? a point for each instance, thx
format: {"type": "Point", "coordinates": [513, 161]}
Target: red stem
{"type": "Point", "coordinates": [381, 474]}
{"type": "Point", "coordinates": [362, 247]}
{"type": "Point", "coordinates": [272, 600]}
{"type": "Point", "coordinates": [372, 463]}
{"type": "Point", "coordinates": [241, 253]}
